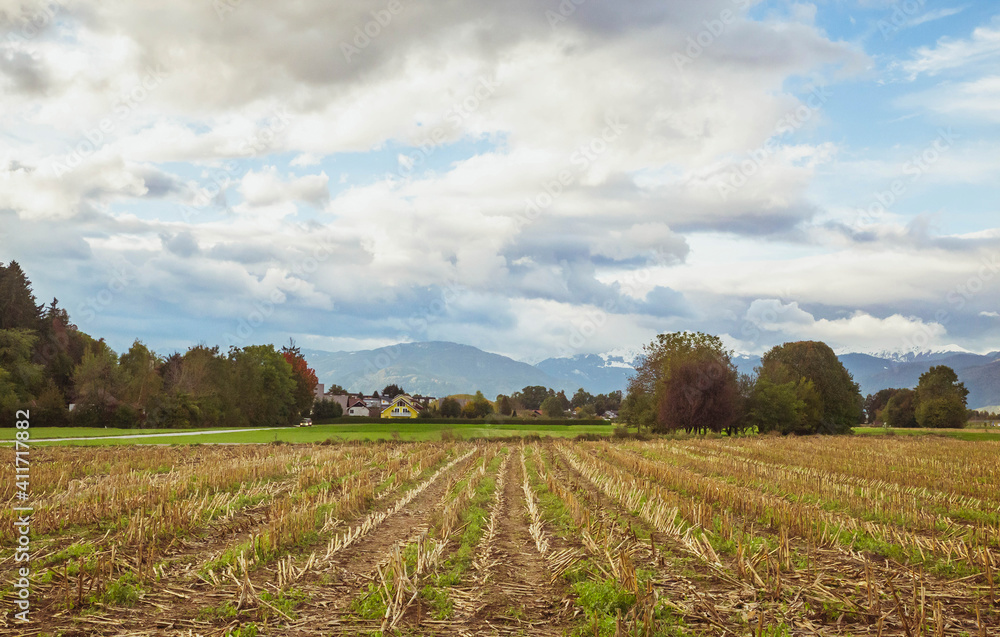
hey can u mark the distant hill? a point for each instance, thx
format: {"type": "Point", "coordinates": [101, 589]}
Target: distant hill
{"type": "Point", "coordinates": [441, 368]}
{"type": "Point", "coordinates": [596, 374]}
{"type": "Point", "coordinates": [979, 372]}
{"type": "Point", "coordinates": [433, 368]}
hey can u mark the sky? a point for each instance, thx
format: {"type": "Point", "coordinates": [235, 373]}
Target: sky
{"type": "Point", "coordinates": [536, 178]}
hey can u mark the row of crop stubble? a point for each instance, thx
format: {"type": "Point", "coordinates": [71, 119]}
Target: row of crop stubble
{"type": "Point", "coordinates": [767, 535]}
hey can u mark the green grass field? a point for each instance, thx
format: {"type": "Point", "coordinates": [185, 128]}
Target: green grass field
{"type": "Point", "coordinates": [401, 430]}
{"type": "Point", "coordinates": [89, 432]}
{"type": "Point", "coordinates": [962, 434]}
{"type": "Point", "coordinates": [363, 431]}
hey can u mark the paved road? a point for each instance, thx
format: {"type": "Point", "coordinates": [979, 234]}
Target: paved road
{"type": "Point", "coordinates": [179, 433]}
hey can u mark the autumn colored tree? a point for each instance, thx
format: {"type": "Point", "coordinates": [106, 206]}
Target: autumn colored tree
{"type": "Point", "coordinates": [699, 395]}
{"type": "Point", "coordinates": [478, 407]}
{"type": "Point", "coordinates": [683, 380]}
{"type": "Point", "coordinates": [305, 378]}
{"type": "Point", "coordinates": [265, 389]}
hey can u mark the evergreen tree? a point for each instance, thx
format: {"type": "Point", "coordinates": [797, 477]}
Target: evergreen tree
{"type": "Point", "coordinates": [18, 307]}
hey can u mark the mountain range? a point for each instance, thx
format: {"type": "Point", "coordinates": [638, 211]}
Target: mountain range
{"type": "Point", "coordinates": [440, 368]}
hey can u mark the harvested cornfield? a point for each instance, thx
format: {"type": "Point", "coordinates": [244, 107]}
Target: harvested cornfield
{"type": "Point", "coordinates": [745, 536]}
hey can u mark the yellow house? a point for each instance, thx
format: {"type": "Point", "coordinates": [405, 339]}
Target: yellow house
{"type": "Point", "coordinates": [401, 407]}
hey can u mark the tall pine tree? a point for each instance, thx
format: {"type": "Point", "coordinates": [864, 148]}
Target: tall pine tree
{"type": "Point", "coordinates": [18, 307]}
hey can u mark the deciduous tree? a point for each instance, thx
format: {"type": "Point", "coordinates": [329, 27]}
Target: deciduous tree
{"type": "Point", "coordinates": [941, 399]}
{"type": "Point", "coordinates": [391, 391]}
{"type": "Point", "coordinates": [305, 377]}
{"type": "Point", "coordinates": [478, 407]}
{"type": "Point", "coordinates": [901, 410]}
{"type": "Point", "coordinates": [450, 408]}
{"type": "Point", "coordinates": [683, 380]}
{"type": "Point", "coordinates": [839, 396]}
{"type": "Point", "coordinates": [552, 407]}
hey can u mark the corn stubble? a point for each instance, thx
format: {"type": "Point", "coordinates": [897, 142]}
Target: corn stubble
{"type": "Point", "coordinates": [761, 536]}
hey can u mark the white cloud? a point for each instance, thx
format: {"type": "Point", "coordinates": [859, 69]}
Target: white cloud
{"type": "Point", "coordinates": [937, 14]}
{"type": "Point", "coordinates": [981, 48]}
{"type": "Point", "coordinates": [305, 159]}
{"type": "Point", "coordinates": [547, 172]}
{"type": "Point", "coordinates": [858, 332]}
{"type": "Point", "coordinates": [266, 187]}
{"type": "Point", "coordinates": [979, 99]}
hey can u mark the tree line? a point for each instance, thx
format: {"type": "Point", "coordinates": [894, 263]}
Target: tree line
{"type": "Point", "coordinates": [687, 381]}
{"type": "Point", "coordinates": [48, 364]}
{"type": "Point", "coordinates": [939, 401]}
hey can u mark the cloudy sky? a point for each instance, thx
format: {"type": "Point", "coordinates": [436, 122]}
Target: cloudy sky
{"type": "Point", "coordinates": [531, 177]}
